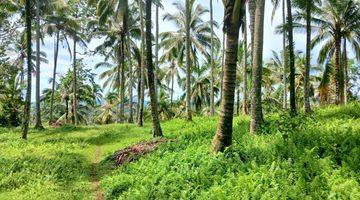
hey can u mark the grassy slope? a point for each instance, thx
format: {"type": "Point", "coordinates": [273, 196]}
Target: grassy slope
{"type": "Point", "coordinates": [56, 163]}
{"type": "Point", "coordinates": [303, 158]}
{"type": "Point", "coordinates": [314, 157]}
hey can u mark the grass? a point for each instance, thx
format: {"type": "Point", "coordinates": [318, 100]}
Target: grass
{"type": "Point", "coordinates": [307, 157]}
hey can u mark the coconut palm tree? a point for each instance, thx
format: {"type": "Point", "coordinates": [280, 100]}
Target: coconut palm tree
{"type": "Point", "coordinates": [291, 56]}
{"type": "Point", "coordinates": [256, 106]}
{"type": "Point", "coordinates": [157, 132]}
{"type": "Point", "coordinates": [188, 70]}
{"type": "Point", "coordinates": [171, 72]}
{"type": "Point", "coordinates": [337, 21]}
{"type": "Point", "coordinates": [234, 11]}
{"type": "Point", "coordinates": [276, 4]}
{"type": "Point", "coordinates": [25, 126]}
{"type": "Point", "coordinates": [193, 33]}
{"type": "Point", "coordinates": [62, 26]}
{"type": "Point", "coordinates": [212, 104]}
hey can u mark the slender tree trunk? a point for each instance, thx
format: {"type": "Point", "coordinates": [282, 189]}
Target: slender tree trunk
{"type": "Point", "coordinates": [188, 67]}
{"type": "Point", "coordinates": [25, 125]}
{"type": "Point", "coordinates": [212, 79]}
{"type": "Point", "coordinates": [56, 53]}
{"type": "Point", "coordinates": [75, 117]}
{"type": "Point", "coordinates": [118, 86]}
{"type": "Point", "coordinates": [143, 63]}
{"type": "Point", "coordinates": [252, 8]}
{"type": "Point", "coordinates": [172, 84]}
{"type": "Point", "coordinates": [308, 58]}
{"type": "Point", "coordinates": [345, 60]}
{"type": "Point", "coordinates": [150, 71]}
{"type": "Point", "coordinates": [222, 138]}
{"type": "Point", "coordinates": [238, 101]}
{"type": "Point", "coordinates": [131, 83]}
{"type": "Point", "coordinates": [156, 66]}
{"type": "Point", "coordinates": [284, 56]}
{"type": "Point", "coordinates": [245, 96]}
{"type": "Point", "coordinates": [339, 69]}
{"type": "Point", "coordinates": [256, 105]}
{"type": "Point", "coordinates": [67, 110]}
{"type": "Point", "coordinates": [38, 124]}
{"type": "Point", "coordinates": [291, 58]}
{"type": "Point", "coordinates": [138, 89]}
{"type": "Point", "coordinates": [122, 79]}
{"type": "Point", "coordinates": [222, 65]}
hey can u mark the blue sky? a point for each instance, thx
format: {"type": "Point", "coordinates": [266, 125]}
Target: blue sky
{"type": "Point", "coordinates": [272, 41]}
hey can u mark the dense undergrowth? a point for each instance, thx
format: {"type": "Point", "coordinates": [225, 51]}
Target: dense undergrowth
{"type": "Point", "coordinates": [307, 157]}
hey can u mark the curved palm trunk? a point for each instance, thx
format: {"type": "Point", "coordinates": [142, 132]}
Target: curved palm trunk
{"type": "Point", "coordinates": [56, 53]}
{"type": "Point", "coordinates": [244, 101]}
{"type": "Point", "coordinates": [142, 71]}
{"type": "Point", "coordinates": [131, 84]}
{"type": "Point", "coordinates": [284, 57]}
{"type": "Point", "coordinates": [291, 58]}
{"type": "Point", "coordinates": [308, 58]}
{"type": "Point", "coordinates": [256, 106]}
{"type": "Point", "coordinates": [222, 138]}
{"type": "Point", "coordinates": [345, 60]}
{"type": "Point", "coordinates": [188, 69]}
{"type": "Point", "coordinates": [75, 117]}
{"type": "Point", "coordinates": [25, 125]}
{"type": "Point", "coordinates": [157, 132]}
{"type": "Point", "coordinates": [212, 105]}
{"type": "Point", "coordinates": [38, 124]}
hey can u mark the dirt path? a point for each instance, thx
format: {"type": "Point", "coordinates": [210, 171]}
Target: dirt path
{"type": "Point", "coordinates": [94, 174]}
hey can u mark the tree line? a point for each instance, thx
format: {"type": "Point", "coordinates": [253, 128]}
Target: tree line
{"type": "Point", "coordinates": [217, 76]}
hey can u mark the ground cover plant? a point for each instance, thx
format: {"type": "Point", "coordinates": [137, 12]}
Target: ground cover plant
{"type": "Point", "coordinates": [314, 156]}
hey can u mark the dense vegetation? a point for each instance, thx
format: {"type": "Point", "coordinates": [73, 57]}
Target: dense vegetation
{"type": "Point", "coordinates": [304, 157]}
{"type": "Point", "coordinates": [235, 124]}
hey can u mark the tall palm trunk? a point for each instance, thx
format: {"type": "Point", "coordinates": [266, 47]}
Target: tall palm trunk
{"type": "Point", "coordinates": [284, 56]}
{"type": "Point", "coordinates": [345, 60]}
{"type": "Point", "coordinates": [38, 124]}
{"type": "Point", "coordinates": [157, 132]}
{"type": "Point", "coordinates": [212, 105]}
{"type": "Point", "coordinates": [232, 21]}
{"type": "Point", "coordinates": [138, 88]}
{"type": "Point", "coordinates": [188, 69]}
{"type": "Point", "coordinates": [156, 48]}
{"type": "Point", "coordinates": [75, 117]}
{"type": "Point", "coordinates": [256, 106]}
{"type": "Point", "coordinates": [252, 8]}
{"type": "Point", "coordinates": [245, 96]}
{"type": "Point", "coordinates": [308, 58]}
{"type": "Point", "coordinates": [172, 83]}
{"type": "Point", "coordinates": [25, 125]}
{"type": "Point", "coordinates": [222, 64]}
{"type": "Point", "coordinates": [291, 58]}
{"type": "Point", "coordinates": [338, 69]}
{"type": "Point", "coordinates": [131, 83]}
{"type": "Point", "coordinates": [142, 71]}
{"type": "Point", "coordinates": [67, 110]}
{"type": "Point", "coordinates": [56, 53]}
{"type": "Point", "coordinates": [122, 79]}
